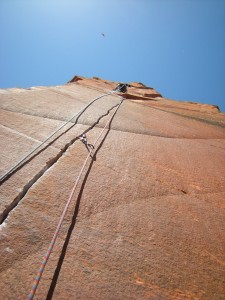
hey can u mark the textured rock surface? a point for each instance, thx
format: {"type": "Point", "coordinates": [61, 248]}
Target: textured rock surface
{"type": "Point", "coordinates": [147, 221]}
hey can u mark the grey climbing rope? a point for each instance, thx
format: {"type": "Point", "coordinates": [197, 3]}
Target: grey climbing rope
{"type": "Point", "coordinates": [16, 166]}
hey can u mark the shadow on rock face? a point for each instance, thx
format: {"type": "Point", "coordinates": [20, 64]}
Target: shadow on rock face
{"type": "Point", "coordinates": [73, 221]}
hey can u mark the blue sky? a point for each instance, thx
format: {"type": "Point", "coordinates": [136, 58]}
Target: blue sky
{"type": "Point", "coordinates": [175, 46]}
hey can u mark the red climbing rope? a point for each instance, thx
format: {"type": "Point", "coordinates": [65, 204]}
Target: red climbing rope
{"type": "Point", "coordinates": [46, 257]}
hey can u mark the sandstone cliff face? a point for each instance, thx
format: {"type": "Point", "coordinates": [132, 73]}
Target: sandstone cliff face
{"type": "Point", "coordinates": [147, 221]}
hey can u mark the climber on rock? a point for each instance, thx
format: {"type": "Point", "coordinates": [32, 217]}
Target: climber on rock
{"type": "Point", "coordinates": [122, 87]}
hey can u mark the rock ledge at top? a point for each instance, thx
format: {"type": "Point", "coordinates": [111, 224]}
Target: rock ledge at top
{"type": "Point", "coordinates": [147, 219]}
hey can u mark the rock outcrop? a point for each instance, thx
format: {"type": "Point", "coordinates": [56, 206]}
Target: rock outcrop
{"type": "Point", "coordinates": [147, 220]}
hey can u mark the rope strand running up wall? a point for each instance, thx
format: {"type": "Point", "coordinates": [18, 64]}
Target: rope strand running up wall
{"type": "Point", "coordinates": [16, 166]}
{"type": "Point", "coordinates": [52, 243]}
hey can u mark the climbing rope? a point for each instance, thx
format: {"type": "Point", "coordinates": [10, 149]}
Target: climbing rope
{"type": "Point", "coordinates": [16, 166]}
{"type": "Point", "coordinates": [52, 243]}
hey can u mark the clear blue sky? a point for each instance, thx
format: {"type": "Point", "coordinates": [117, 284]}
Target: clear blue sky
{"type": "Point", "coordinates": [175, 46]}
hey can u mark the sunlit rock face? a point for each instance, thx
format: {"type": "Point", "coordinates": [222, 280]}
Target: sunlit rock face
{"type": "Point", "coordinates": [147, 218]}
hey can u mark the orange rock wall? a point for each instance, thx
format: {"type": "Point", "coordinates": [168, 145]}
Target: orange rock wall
{"type": "Point", "coordinates": [147, 220]}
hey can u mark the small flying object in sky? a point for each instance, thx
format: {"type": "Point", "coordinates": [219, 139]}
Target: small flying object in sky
{"type": "Point", "coordinates": [103, 34]}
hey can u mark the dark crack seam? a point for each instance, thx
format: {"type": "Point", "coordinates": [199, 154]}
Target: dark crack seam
{"type": "Point", "coordinates": [48, 165]}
